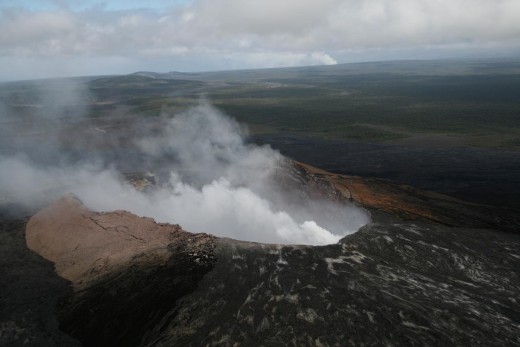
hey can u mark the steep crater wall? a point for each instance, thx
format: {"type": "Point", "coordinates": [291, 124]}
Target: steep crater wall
{"type": "Point", "coordinates": [127, 271]}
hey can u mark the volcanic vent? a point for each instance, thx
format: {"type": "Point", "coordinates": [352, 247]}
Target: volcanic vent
{"type": "Point", "coordinates": [207, 178]}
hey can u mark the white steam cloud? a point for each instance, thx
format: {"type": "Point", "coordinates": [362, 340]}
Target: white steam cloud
{"type": "Point", "coordinates": [211, 181]}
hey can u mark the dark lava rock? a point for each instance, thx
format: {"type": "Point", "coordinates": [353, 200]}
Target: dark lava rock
{"type": "Point", "coordinates": [391, 201]}
{"type": "Point", "coordinates": [418, 275]}
{"type": "Point", "coordinates": [401, 284]}
{"type": "Point", "coordinates": [29, 292]}
{"type": "Point", "coordinates": [127, 271]}
{"type": "Point", "coordinates": [120, 308]}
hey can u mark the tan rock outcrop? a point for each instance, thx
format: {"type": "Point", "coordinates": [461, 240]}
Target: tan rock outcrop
{"type": "Point", "coordinates": [85, 245]}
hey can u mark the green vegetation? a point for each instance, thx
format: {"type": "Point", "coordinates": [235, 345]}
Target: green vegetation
{"type": "Point", "coordinates": [393, 106]}
{"type": "Point", "coordinates": [477, 102]}
{"type": "Point", "coordinates": [140, 94]}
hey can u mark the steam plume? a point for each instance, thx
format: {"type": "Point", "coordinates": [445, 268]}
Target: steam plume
{"type": "Point", "coordinates": [208, 180]}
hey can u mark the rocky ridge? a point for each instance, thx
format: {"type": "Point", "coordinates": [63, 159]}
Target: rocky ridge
{"type": "Point", "coordinates": [403, 284]}
{"type": "Point", "coordinates": [85, 246]}
{"type": "Point", "coordinates": [118, 264]}
{"type": "Point", "coordinates": [417, 275]}
{"type": "Point", "coordinates": [408, 203]}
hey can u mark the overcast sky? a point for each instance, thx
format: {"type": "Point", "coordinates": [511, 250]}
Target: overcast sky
{"type": "Point", "coordinates": [51, 38]}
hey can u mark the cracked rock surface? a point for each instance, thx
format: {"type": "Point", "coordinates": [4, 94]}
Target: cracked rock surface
{"type": "Point", "coordinates": [127, 271]}
{"type": "Point", "coordinates": [399, 283]}
{"type": "Point", "coordinates": [86, 245]}
{"type": "Point", "coordinates": [396, 285]}
{"type": "Point", "coordinates": [418, 275]}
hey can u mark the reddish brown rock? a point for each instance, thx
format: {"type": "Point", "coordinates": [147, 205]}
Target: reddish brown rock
{"type": "Point", "coordinates": [411, 204]}
{"type": "Point", "coordinates": [85, 245]}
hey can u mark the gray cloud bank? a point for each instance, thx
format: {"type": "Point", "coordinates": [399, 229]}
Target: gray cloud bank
{"type": "Point", "coordinates": [219, 34]}
{"type": "Point", "coordinates": [208, 178]}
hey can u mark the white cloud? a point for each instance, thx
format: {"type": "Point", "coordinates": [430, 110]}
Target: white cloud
{"type": "Point", "coordinates": [283, 32]}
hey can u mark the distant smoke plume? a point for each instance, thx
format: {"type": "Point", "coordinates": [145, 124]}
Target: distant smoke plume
{"type": "Point", "coordinates": [208, 180]}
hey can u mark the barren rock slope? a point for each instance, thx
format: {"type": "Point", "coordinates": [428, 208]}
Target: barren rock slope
{"type": "Point", "coordinates": [400, 283]}
{"type": "Point", "coordinates": [85, 245]}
